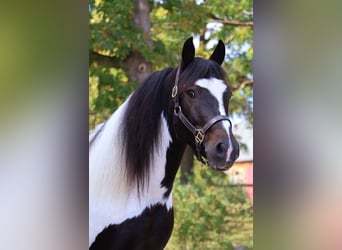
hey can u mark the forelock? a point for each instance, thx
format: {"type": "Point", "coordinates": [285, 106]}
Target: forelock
{"type": "Point", "coordinates": [200, 69]}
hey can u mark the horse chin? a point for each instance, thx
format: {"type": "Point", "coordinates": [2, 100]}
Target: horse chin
{"type": "Point", "coordinates": [221, 168]}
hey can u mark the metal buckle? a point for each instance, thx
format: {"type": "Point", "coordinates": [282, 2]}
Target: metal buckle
{"type": "Point", "coordinates": [174, 91]}
{"type": "Point", "coordinates": [199, 136]}
{"type": "Point", "coordinates": [177, 110]}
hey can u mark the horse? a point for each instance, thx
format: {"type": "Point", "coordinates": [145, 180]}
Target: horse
{"type": "Point", "coordinates": [134, 156]}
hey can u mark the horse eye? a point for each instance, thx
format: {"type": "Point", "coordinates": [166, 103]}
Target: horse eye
{"type": "Point", "coordinates": [191, 93]}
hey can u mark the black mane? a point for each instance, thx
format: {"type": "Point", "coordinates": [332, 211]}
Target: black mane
{"type": "Point", "coordinates": [141, 127]}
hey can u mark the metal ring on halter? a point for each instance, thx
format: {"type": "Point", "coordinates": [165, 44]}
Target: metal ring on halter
{"type": "Point", "coordinates": [174, 91]}
{"type": "Point", "coordinates": [177, 110]}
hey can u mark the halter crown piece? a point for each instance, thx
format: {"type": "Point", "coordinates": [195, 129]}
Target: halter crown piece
{"type": "Point", "coordinates": [199, 133]}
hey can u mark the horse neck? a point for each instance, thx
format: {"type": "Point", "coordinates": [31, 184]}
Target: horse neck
{"type": "Point", "coordinates": [168, 154]}
{"type": "Point", "coordinates": [107, 164]}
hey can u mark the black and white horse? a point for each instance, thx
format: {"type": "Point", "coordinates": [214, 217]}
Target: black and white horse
{"type": "Point", "coordinates": [135, 155]}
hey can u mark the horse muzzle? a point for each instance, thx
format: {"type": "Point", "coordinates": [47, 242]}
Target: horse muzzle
{"type": "Point", "coordinates": [222, 155]}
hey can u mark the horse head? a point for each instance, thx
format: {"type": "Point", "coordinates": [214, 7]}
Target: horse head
{"type": "Point", "coordinates": [200, 100]}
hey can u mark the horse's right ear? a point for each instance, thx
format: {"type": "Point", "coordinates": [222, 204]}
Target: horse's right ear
{"type": "Point", "coordinates": [188, 53]}
{"type": "Point", "coordinates": [219, 53]}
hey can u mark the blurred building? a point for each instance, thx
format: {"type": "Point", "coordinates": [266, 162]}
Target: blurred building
{"type": "Point", "coordinates": [242, 171]}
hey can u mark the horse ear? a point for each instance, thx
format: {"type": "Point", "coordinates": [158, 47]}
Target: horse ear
{"type": "Point", "coordinates": [219, 53]}
{"type": "Point", "coordinates": [188, 53]}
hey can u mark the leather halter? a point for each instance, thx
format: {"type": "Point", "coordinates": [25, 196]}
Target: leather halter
{"type": "Point", "coordinates": [199, 133]}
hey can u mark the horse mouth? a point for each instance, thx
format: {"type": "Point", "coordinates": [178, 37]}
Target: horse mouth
{"type": "Point", "coordinates": [219, 169]}
{"type": "Point", "coordinates": [225, 167]}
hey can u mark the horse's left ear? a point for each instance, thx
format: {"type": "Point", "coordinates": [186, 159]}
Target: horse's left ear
{"type": "Point", "coordinates": [219, 53]}
{"type": "Point", "coordinates": [188, 53]}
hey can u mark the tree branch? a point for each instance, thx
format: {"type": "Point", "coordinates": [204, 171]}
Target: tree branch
{"type": "Point", "coordinates": [242, 83]}
{"type": "Point", "coordinates": [236, 23]}
{"type": "Point", "coordinates": [226, 21]}
{"type": "Point", "coordinates": [103, 60]}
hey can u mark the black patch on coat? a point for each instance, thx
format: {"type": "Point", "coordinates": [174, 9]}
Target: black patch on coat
{"type": "Point", "coordinates": [149, 231]}
{"type": "Point", "coordinates": [173, 158]}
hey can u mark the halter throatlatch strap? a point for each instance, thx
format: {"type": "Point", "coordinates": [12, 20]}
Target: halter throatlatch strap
{"type": "Point", "coordinates": [199, 133]}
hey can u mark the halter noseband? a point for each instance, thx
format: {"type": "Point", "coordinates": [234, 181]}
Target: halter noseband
{"type": "Point", "coordinates": [199, 133]}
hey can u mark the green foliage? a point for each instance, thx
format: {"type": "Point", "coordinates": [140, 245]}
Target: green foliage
{"type": "Point", "coordinates": [112, 29]}
{"type": "Point", "coordinates": [108, 88]}
{"type": "Point", "coordinates": [210, 214]}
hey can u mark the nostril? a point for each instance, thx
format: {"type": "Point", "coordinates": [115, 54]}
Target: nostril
{"type": "Point", "coordinates": [221, 149]}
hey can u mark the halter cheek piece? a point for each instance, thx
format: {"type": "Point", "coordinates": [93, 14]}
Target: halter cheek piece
{"type": "Point", "coordinates": [199, 133]}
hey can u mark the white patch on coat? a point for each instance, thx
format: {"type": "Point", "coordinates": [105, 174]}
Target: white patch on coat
{"type": "Point", "coordinates": [111, 201]}
{"type": "Point", "coordinates": [217, 87]}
